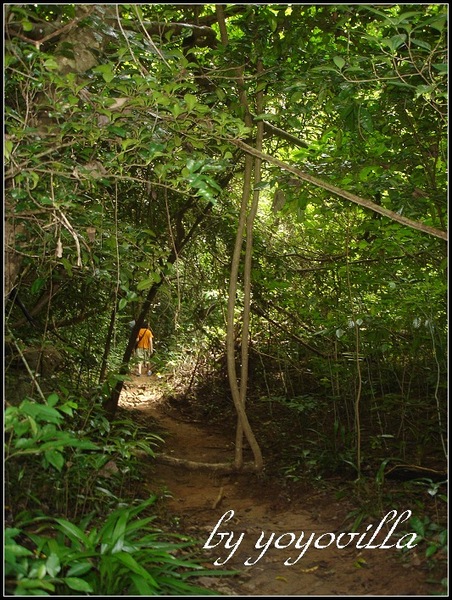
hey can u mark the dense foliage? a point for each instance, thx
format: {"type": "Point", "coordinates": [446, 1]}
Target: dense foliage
{"type": "Point", "coordinates": [124, 177]}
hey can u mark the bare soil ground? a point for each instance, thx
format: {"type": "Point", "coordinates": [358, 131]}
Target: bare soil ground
{"type": "Point", "coordinates": [258, 506]}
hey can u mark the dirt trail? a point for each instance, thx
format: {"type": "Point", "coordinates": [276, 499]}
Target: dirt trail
{"type": "Point", "coordinates": [255, 506]}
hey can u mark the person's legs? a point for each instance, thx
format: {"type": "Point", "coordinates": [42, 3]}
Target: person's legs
{"type": "Point", "coordinates": [148, 362]}
{"type": "Point", "coordinates": [144, 359]}
{"type": "Point", "coordinates": [140, 353]}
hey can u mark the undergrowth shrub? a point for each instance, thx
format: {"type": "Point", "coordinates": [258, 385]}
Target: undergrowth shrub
{"type": "Point", "coordinates": [124, 555]}
{"type": "Point", "coordinates": [73, 524]}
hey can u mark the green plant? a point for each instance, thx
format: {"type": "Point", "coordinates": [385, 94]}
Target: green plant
{"type": "Point", "coordinates": [60, 459]}
{"type": "Point", "coordinates": [432, 534]}
{"type": "Point", "coordinates": [125, 555]}
{"type": "Point", "coordinates": [123, 443]}
{"type": "Point", "coordinates": [34, 428]}
{"type": "Point", "coordinates": [369, 498]}
{"type": "Point", "coordinates": [299, 463]}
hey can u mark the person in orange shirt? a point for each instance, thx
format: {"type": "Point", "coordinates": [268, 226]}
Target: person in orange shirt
{"type": "Point", "coordinates": [144, 349]}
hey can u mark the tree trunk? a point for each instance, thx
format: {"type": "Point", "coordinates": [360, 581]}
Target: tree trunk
{"type": "Point", "coordinates": [247, 273]}
{"type": "Point", "coordinates": [238, 395]}
{"type": "Point", "coordinates": [107, 346]}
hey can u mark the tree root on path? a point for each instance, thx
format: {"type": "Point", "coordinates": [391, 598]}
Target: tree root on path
{"type": "Point", "coordinates": [192, 465]}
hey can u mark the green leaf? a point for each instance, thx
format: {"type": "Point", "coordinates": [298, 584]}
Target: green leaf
{"type": "Point", "coordinates": [360, 563]}
{"type": "Point", "coordinates": [67, 408]}
{"type": "Point", "coordinates": [441, 67]}
{"type": "Point", "coordinates": [266, 117]}
{"type": "Point", "coordinates": [63, 439]}
{"type": "Point", "coordinates": [176, 110]}
{"type": "Point", "coordinates": [37, 285]}
{"type": "Point", "coordinates": [33, 584]}
{"type": "Point", "coordinates": [401, 84]}
{"type": "Point", "coordinates": [262, 185]}
{"type": "Point", "coordinates": [67, 265]}
{"type": "Point", "coordinates": [395, 42]}
{"type": "Point", "coordinates": [53, 565]}
{"type": "Point", "coordinates": [339, 62]}
{"type": "Point", "coordinates": [79, 569]}
{"type": "Point", "coordinates": [376, 12]}
{"type": "Point", "coordinates": [17, 550]}
{"type": "Point", "coordinates": [424, 90]}
{"type": "Point", "coordinates": [53, 399]}
{"type": "Point", "coordinates": [77, 584]}
{"type": "Point", "coordinates": [8, 149]}
{"type": "Point", "coordinates": [119, 131]}
{"type": "Point", "coordinates": [367, 171]}
{"type": "Point", "coordinates": [418, 526]}
{"type": "Point", "coordinates": [421, 44]}
{"type": "Point", "coordinates": [106, 71]}
{"type": "Point", "coordinates": [33, 426]}
{"type": "Point", "coordinates": [324, 69]}
{"type": "Point", "coordinates": [26, 25]}
{"type": "Point", "coordinates": [438, 23]}
{"type": "Point", "coordinates": [55, 458]}
{"type": "Point", "coordinates": [144, 588]}
{"type": "Point", "coordinates": [41, 412]}
{"type": "Point", "coordinates": [34, 179]}
{"type": "Point", "coordinates": [408, 15]}
{"type": "Point", "coordinates": [147, 283]}
{"type": "Point", "coordinates": [431, 550]}
{"type": "Point", "coordinates": [191, 101]}
{"type": "Point", "coordinates": [73, 532]}
{"type": "Point", "coordinates": [443, 537]}
{"type": "Point", "coordinates": [127, 143]}
{"type": "Point", "coordinates": [117, 538]}
{"type": "Point", "coordinates": [51, 64]}
{"type": "Point", "coordinates": [131, 563]}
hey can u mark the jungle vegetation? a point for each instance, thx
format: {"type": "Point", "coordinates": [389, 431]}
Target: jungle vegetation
{"type": "Point", "coordinates": [266, 184]}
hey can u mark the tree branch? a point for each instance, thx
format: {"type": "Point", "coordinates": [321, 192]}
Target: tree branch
{"type": "Point", "coordinates": [261, 313]}
{"type": "Point", "coordinates": [340, 192]}
{"type": "Point", "coordinates": [280, 133]}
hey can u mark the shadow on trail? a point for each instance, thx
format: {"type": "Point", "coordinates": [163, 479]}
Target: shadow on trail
{"type": "Point", "coordinates": [282, 541]}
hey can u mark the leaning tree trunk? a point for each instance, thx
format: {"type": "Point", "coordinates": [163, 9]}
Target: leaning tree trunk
{"type": "Point", "coordinates": [239, 394]}
{"type": "Point", "coordinates": [230, 348]}
{"type": "Point", "coordinates": [248, 268]}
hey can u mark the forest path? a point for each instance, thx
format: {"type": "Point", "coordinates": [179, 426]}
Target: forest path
{"type": "Point", "coordinates": [200, 498]}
